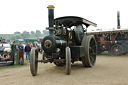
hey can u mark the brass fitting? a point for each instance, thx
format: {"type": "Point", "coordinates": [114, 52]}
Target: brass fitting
{"type": "Point", "coordinates": [50, 7]}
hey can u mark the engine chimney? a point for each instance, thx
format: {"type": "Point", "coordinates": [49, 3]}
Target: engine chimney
{"type": "Point", "coordinates": [118, 20]}
{"type": "Point", "coordinates": [51, 18]}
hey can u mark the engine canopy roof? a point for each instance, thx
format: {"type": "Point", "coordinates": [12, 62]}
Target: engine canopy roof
{"type": "Point", "coordinates": [69, 21]}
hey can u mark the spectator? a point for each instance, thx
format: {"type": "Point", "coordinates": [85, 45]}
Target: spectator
{"type": "Point", "coordinates": [30, 44]}
{"type": "Point", "coordinates": [21, 53]}
{"type": "Point", "coordinates": [39, 44]}
{"type": "Point", "coordinates": [13, 48]}
{"type": "Point", "coordinates": [36, 46]}
{"type": "Point", "coordinates": [2, 49]}
{"type": "Point", "coordinates": [27, 50]}
{"type": "Point", "coordinates": [24, 47]}
{"type": "Point", "coordinates": [1, 57]}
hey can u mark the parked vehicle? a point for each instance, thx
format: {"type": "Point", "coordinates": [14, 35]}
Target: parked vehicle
{"type": "Point", "coordinates": [7, 47]}
{"type": "Point", "coordinates": [18, 41]}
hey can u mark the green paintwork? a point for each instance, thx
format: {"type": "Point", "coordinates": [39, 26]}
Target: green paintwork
{"type": "Point", "coordinates": [77, 51]}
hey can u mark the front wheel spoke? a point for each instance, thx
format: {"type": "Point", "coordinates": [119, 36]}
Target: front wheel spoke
{"type": "Point", "coordinates": [92, 58]}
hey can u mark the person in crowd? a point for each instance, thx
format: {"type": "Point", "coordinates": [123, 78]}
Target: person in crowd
{"type": "Point", "coordinates": [2, 49]}
{"type": "Point", "coordinates": [36, 46]}
{"type": "Point", "coordinates": [1, 57]}
{"type": "Point", "coordinates": [21, 53]}
{"type": "Point", "coordinates": [39, 44]}
{"type": "Point", "coordinates": [31, 45]}
{"type": "Point", "coordinates": [13, 48]}
{"type": "Point", "coordinates": [27, 50]}
{"type": "Point", "coordinates": [24, 47]}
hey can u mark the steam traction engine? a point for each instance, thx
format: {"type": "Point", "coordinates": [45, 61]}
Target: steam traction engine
{"type": "Point", "coordinates": [114, 41]}
{"type": "Point", "coordinates": [66, 43]}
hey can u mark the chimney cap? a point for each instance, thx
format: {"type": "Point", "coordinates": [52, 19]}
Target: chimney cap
{"type": "Point", "coordinates": [50, 7]}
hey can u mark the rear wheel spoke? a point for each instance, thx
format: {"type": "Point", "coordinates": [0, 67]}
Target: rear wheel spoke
{"type": "Point", "coordinates": [94, 46]}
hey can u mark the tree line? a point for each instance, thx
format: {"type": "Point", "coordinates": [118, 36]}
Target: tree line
{"type": "Point", "coordinates": [32, 34]}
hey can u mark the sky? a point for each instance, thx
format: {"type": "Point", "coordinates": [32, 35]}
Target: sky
{"type": "Point", "coordinates": [32, 15]}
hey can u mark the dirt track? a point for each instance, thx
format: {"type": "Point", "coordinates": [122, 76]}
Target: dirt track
{"type": "Point", "coordinates": [109, 70]}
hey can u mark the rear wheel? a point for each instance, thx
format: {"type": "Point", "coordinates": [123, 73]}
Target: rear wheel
{"type": "Point", "coordinates": [34, 61]}
{"type": "Point", "coordinates": [89, 57]}
{"type": "Point", "coordinates": [68, 60]}
{"type": "Point", "coordinates": [117, 49]}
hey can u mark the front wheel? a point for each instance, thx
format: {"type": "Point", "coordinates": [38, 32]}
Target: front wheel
{"type": "Point", "coordinates": [68, 60]}
{"type": "Point", "coordinates": [34, 61]}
